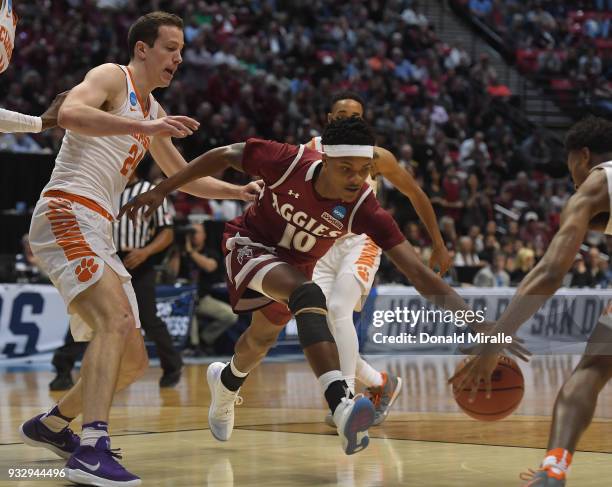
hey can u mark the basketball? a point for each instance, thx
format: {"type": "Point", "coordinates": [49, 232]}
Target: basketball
{"type": "Point", "coordinates": [507, 388]}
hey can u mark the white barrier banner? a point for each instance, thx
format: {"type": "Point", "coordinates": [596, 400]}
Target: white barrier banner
{"type": "Point", "coordinates": [33, 319]}
{"type": "Point", "coordinates": [399, 320]}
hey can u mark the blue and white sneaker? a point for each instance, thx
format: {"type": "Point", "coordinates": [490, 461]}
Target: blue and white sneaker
{"type": "Point", "coordinates": [98, 466]}
{"type": "Point", "coordinates": [353, 417]}
{"type": "Point", "coordinates": [34, 433]}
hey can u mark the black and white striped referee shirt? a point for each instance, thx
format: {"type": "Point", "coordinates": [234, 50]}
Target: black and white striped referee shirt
{"type": "Point", "coordinates": [130, 236]}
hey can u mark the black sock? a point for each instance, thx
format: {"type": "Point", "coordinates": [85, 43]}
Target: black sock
{"type": "Point", "coordinates": [56, 412]}
{"type": "Point", "coordinates": [229, 380]}
{"type": "Point", "coordinates": [334, 394]}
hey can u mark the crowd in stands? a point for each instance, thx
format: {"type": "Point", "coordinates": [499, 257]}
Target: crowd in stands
{"type": "Point", "coordinates": [568, 43]}
{"type": "Point", "coordinates": [269, 68]}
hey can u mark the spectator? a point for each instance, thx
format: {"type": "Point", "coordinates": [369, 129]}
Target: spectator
{"type": "Point", "coordinates": [535, 151]}
{"type": "Point", "coordinates": [493, 275]}
{"type": "Point", "coordinates": [522, 190]}
{"type": "Point", "coordinates": [240, 80]}
{"type": "Point", "coordinates": [596, 270]}
{"type": "Point", "coordinates": [196, 263]}
{"type": "Point", "coordinates": [580, 274]}
{"type": "Point", "coordinates": [491, 246]}
{"type": "Point", "coordinates": [525, 261]}
{"type": "Point", "coordinates": [473, 151]}
{"type": "Point", "coordinates": [465, 255]}
{"type": "Point", "coordinates": [534, 232]}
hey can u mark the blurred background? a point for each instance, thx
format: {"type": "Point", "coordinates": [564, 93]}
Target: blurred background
{"type": "Point", "coordinates": [473, 97]}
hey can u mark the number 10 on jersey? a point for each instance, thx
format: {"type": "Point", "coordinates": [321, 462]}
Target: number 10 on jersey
{"type": "Point", "coordinates": [302, 241]}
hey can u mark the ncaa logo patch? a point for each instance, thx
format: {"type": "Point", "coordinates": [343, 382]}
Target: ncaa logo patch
{"type": "Point", "coordinates": [133, 99]}
{"type": "Point", "coordinates": [339, 212]}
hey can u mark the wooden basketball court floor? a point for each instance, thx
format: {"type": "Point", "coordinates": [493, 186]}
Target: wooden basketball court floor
{"type": "Point", "coordinates": [280, 438]}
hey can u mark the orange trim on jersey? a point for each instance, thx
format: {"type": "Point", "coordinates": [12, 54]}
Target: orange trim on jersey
{"type": "Point", "coordinates": [145, 111]}
{"type": "Point", "coordinates": [65, 228]}
{"type": "Point", "coordinates": [75, 198]}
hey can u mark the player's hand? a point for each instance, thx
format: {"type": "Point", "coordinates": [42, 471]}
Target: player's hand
{"type": "Point", "coordinates": [135, 257]}
{"type": "Point", "coordinates": [441, 258]}
{"type": "Point", "coordinates": [516, 347]}
{"type": "Point", "coordinates": [151, 200]}
{"type": "Point", "coordinates": [188, 246]}
{"type": "Point", "coordinates": [177, 126]}
{"type": "Point", "coordinates": [49, 117]}
{"type": "Point", "coordinates": [476, 370]}
{"type": "Point", "coordinates": [251, 191]}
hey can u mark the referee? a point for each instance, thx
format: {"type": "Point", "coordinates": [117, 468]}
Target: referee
{"type": "Point", "coordinates": [140, 247]}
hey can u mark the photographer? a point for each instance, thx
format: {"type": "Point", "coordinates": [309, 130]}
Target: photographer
{"type": "Point", "coordinates": [193, 262]}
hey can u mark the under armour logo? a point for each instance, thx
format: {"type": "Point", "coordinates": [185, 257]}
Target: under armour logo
{"type": "Point", "coordinates": [244, 253]}
{"type": "Point", "coordinates": [295, 195]}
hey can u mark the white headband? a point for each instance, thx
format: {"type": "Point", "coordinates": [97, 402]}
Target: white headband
{"type": "Point", "coordinates": [348, 150]}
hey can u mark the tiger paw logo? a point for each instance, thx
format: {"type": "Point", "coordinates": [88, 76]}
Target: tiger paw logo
{"type": "Point", "coordinates": [364, 273]}
{"type": "Point", "coordinates": [86, 269]}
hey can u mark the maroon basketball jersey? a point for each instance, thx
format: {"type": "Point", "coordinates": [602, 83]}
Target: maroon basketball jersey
{"type": "Point", "coordinates": [291, 217]}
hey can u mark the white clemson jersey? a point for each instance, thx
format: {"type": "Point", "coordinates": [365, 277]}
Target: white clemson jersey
{"type": "Point", "coordinates": [315, 143]}
{"type": "Point", "coordinates": [607, 168]}
{"type": "Point", "coordinates": [8, 23]}
{"type": "Point", "coordinates": [99, 168]}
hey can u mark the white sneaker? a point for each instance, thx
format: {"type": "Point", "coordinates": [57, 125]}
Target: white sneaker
{"type": "Point", "coordinates": [222, 400]}
{"type": "Point", "coordinates": [353, 417]}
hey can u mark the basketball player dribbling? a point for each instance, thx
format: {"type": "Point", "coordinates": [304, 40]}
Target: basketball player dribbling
{"type": "Point", "coordinates": [346, 273]}
{"type": "Point", "coordinates": [589, 147]}
{"type": "Point", "coordinates": [111, 120]}
{"type": "Point", "coordinates": [308, 202]}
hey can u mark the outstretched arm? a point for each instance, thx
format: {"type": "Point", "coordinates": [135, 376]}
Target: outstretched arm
{"type": "Point", "coordinates": [14, 122]}
{"type": "Point", "coordinates": [545, 278]}
{"type": "Point", "coordinates": [104, 86]}
{"type": "Point", "coordinates": [400, 178]}
{"type": "Point", "coordinates": [192, 178]}
{"type": "Point", "coordinates": [426, 281]}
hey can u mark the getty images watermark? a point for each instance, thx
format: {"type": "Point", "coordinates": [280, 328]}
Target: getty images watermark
{"type": "Point", "coordinates": [422, 317]}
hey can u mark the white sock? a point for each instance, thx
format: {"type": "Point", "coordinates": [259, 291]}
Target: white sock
{"type": "Point", "coordinates": [350, 382]}
{"type": "Point", "coordinates": [328, 377]}
{"type": "Point", "coordinates": [368, 374]}
{"type": "Point", "coordinates": [91, 435]}
{"type": "Point", "coordinates": [235, 371]}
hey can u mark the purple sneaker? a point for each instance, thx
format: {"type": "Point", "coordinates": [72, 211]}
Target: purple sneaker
{"type": "Point", "coordinates": [97, 466]}
{"type": "Point", "coordinates": [34, 433]}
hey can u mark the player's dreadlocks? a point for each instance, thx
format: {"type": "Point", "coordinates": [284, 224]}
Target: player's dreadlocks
{"type": "Point", "coordinates": [350, 131]}
{"type": "Point", "coordinates": [592, 132]}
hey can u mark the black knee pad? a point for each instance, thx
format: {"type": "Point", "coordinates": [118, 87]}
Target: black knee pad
{"type": "Point", "coordinates": [308, 305]}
